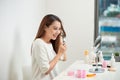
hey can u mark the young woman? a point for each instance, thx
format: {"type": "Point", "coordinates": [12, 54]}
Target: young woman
{"type": "Point", "coordinates": [47, 48]}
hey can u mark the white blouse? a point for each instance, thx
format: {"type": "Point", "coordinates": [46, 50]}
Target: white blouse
{"type": "Point", "coordinates": [42, 54]}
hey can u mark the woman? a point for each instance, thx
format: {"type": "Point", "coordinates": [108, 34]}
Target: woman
{"type": "Point", "coordinates": [47, 48]}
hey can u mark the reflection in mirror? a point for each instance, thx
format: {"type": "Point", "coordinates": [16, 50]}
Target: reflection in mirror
{"type": "Point", "coordinates": [107, 25]}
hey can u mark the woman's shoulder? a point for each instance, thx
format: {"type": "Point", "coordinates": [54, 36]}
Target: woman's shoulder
{"type": "Point", "coordinates": [38, 41]}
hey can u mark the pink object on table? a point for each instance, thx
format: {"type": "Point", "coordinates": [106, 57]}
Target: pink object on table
{"type": "Point", "coordinates": [70, 73]}
{"type": "Point", "coordinates": [81, 73]}
{"type": "Point", "coordinates": [104, 64]}
{"type": "Point", "coordinates": [78, 73]}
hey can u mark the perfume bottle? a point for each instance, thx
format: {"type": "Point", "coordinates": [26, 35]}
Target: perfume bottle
{"type": "Point", "coordinates": [86, 56]}
{"type": "Point", "coordinates": [112, 61]}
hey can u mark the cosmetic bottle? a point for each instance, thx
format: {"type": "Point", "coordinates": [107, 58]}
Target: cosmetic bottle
{"type": "Point", "coordinates": [86, 57]}
{"type": "Point", "coordinates": [112, 61]}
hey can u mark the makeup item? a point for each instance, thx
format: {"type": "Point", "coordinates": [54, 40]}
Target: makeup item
{"type": "Point", "coordinates": [83, 75]}
{"type": "Point", "coordinates": [104, 64]}
{"type": "Point", "coordinates": [112, 61]}
{"type": "Point", "coordinates": [86, 58]}
{"type": "Point", "coordinates": [91, 75]}
{"type": "Point", "coordinates": [70, 73]}
{"type": "Point", "coordinates": [112, 69]}
{"type": "Point", "coordinates": [97, 65]}
{"type": "Point", "coordinates": [108, 66]}
{"type": "Point", "coordinates": [92, 56]}
{"type": "Point", "coordinates": [63, 40]}
{"type": "Point", "coordinates": [80, 74]}
{"type": "Point", "coordinates": [100, 56]}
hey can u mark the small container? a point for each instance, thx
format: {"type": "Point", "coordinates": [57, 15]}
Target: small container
{"type": "Point", "coordinates": [112, 61]}
{"type": "Point", "coordinates": [80, 74]}
{"type": "Point", "coordinates": [86, 58]}
{"type": "Point", "coordinates": [70, 73]}
{"type": "Point", "coordinates": [83, 74]}
{"type": "Point", "coordinates": [104, 64]}
{"type": "Point", "coordinates": [100, 56]}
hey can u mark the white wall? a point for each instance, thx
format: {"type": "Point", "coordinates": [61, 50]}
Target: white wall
{"type": "Point", "coordinates": [78, 20]}
{"type": "Point", "coordinates": [19, 21]}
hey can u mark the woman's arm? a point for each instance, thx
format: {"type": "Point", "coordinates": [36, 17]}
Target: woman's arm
{"type": "Point", "coordinates": [64, 57]}
{"type": "Point", "coordinates": [52, 63]}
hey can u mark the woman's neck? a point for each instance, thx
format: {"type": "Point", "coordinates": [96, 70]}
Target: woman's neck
{"type": "Point", "coordinates": [46, 40]}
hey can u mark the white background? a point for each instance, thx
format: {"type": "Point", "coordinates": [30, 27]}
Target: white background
{"type": "Point", "coordinates": [19, 22]}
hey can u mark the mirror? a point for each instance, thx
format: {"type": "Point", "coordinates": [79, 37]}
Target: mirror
{"type": "Point", "coordinates": [107, 25]}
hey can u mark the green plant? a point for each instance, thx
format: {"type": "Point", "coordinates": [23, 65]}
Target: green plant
{"type": "Point", "coordinates": [113, 14]}
{"type": "Point", "coordinates": [116, 54]}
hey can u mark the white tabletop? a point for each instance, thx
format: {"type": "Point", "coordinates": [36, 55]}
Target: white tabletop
{"type": "Point", "coordinates": [79, 65]}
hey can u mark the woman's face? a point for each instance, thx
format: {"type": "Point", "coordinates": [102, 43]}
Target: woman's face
{"type": "Point", "coordinates": [53, 30]}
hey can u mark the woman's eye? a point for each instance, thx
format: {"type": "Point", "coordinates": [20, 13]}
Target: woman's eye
{"type": "Point", "coordinates": [55, 28]}
{"type": "Point", "coordinates": [60, 29]}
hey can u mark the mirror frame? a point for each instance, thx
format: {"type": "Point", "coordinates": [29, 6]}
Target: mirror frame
{"type": "Point", "coordinates": [96, 18]}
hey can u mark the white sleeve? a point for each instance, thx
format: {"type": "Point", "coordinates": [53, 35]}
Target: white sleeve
{"type": "Point", "coordinates": [41, 57]}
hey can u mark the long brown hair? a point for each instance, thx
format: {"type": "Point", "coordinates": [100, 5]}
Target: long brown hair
{"type": "Point", "coordinates": [47, 21]}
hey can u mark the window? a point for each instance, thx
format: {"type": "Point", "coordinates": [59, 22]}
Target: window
{"type": "Point", "coordinates": [107, 25]}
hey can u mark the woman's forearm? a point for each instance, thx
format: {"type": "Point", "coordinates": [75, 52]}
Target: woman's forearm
{"type": "Point", "coordinates": [64, 57]}
{"type": "Point", "coordinates": [53, 62]}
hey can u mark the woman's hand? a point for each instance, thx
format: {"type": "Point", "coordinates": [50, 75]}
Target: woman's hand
{"type": "Point", "coordinates": [62, 49]}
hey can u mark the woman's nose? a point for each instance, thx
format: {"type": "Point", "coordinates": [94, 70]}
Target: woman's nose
{"type": "Point", "coordinates": [58, 31]}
